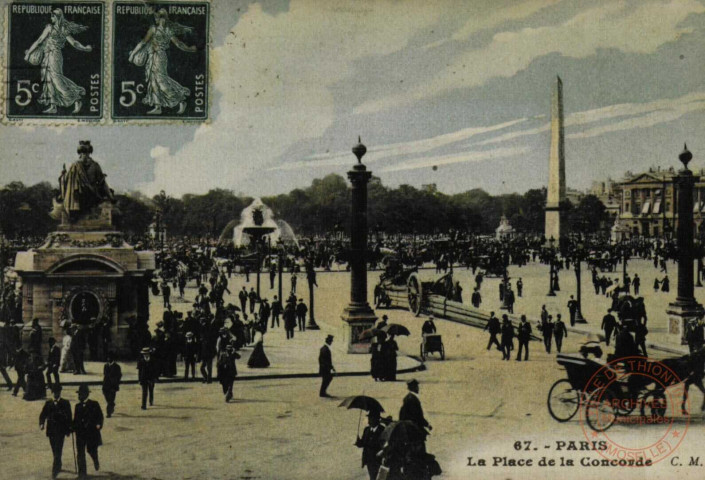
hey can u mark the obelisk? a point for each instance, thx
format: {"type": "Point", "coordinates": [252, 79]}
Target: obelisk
{"type": "Point", "coordinates": [556, 166]}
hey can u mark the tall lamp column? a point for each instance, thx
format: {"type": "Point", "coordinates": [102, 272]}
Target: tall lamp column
{"type": "Point", "coordinates": [358, 315]}
{"type": "Point", "coordinates": [685, 309]}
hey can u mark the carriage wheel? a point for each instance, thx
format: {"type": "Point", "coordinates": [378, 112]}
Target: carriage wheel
{"type": "Point", "coordinates": [600, 412]}
{"type": "Point", "coordinates": [563, 401]}
{"type": "Point", "coordinates": [654, 404]}
{"type": "Point", "coordinates": [423, 354]}
{"type": "Point", "coordinates": [415, 294]}
{"type": "Point", "coordinates": [443, 352]}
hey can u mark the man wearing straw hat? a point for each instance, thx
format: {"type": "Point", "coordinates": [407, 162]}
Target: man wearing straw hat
{"type": "Point", "coordinates": [87, 423]}
{"type": "Point", "coordinates": [56, 414]}
{"type": "Point", "coordinates": [147, 373]}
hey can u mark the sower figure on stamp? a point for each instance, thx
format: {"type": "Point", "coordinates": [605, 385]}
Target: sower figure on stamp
{"type": "Point", "coordinates": [87, 423]}
{"type": "Point", "coordinates": [151, 52]}
{"type": "Point", "coordinates": [56, 415]}
{"type": "Point", "coordinates": [57, 90]}
{"type": "Point", "coordinates": [112, 374]}
{"type": "Point", "coordinates": [325, 366]}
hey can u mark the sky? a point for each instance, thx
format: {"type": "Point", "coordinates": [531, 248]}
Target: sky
{"type": "Point", "coordinates": [464, 86]}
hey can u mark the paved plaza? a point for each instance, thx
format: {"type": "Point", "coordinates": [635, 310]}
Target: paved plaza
{"type": "Point", "coordinates": [280, 429]}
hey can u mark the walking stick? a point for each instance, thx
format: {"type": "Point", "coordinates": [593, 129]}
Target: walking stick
{"type": "Point", "coordinates": [73, 446]}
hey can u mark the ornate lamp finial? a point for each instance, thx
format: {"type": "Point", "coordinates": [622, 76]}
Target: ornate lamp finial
{"type": "Point", "coordinates": [359, 150]}
{"type": "Point", "coordinates": [685, 156]}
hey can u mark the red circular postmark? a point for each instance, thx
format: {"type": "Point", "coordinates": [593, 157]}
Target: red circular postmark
{"type": "Point", "coordinates": [635, 411]}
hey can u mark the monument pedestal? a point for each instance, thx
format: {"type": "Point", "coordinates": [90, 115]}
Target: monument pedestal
{"type": "Point", "coordinates": [86, 277]}
{"type": "Point", "coordinates": [679, 314]}
{"type": "Point", "coordinates": [358, 318]}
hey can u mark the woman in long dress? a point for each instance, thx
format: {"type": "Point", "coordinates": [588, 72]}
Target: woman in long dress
{"type": "Point", "coordinates": [258, 359]}
{"type": "Point", "coordinates": [151, 52]}
{"type": "Point", "coordinates": [57, 89]}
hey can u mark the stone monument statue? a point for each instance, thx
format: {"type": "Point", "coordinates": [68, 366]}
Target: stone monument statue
{"type": "Point", "coordinates": [86, 274]}
{"type": "Point", "coordinates": [82, 188]}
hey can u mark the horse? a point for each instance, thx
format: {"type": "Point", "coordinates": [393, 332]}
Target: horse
{"type": "Point", "coordinates": [689, 369]}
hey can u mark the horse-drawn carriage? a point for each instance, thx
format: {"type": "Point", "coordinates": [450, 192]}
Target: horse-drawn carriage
{"type": "Point", "coordinates": [408, 288]}
{"type": "Point", "coordinates": [616, 389]}
{"type": "Point", "coordinates": [492, 266]}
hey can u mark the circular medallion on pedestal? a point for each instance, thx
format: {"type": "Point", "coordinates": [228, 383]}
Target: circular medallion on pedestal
{"type": "Point", "coordinates": [84, 305]}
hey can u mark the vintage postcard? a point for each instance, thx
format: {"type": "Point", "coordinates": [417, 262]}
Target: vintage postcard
{"type": "Point", "coordinates": [349, 240]}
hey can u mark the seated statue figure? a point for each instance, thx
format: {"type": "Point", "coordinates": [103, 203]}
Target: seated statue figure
{"type": "Point", "coordinates": [83, 186]}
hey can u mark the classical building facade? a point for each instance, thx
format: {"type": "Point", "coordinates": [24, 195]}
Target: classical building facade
{"type": "Point", "coordinates": [648, 203]}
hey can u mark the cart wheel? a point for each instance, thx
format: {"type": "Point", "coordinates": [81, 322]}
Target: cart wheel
{"type": "Point", "coordinates": [443, 352]}
{"type": "Point", "coordinates": [600, 412]}
{"type": "Point", "coordinates": [423, 354]}
{"type": "Point", "coordinates": [563, 401]}
{"type": "Point", "coordinates": [414, 294]}
{"type": "Point", "coordinates": [654, 404]}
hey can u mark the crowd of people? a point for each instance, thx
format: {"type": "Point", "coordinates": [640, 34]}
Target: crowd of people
{"type": "Point", "coordinates": [213, 330]}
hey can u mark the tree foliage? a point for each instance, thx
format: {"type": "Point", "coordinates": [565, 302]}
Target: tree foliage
{"type": "Point", "coordinates": [320, 208]}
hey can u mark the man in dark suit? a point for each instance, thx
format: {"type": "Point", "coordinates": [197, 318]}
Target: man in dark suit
{"type": "Point", "coordinates": [87, 423]}
{"type": "Point", "coordinates": [495, 328]}
{"type": "Point", "coordinates": [112, 374]}
{"type": "Point", "coordinates": [53, 361]}
{"type": "Point", "coordinates": [608, 325]}
{"type": "Point", "coordinates": [301, 310]}
{"type": "Point", "coordinates": [147, 374]}
{"type": "Point", "coordinates": [325, 366]}
{"type": "Point", "coordinates": [21, 366]}
{"type": "Point", "coordinates": [411, 407]}
{"type": "Point", "coordinates": [547, 329]}
{"type": "Point", "coordinates": [35, 339]}
{"type": "Point", "coordinates": [276, 311]}
{"type": "Point", "coordinates": [56, 414]}
{"type": "Point", "coordinates": [573, 310]}
{"type": "Point", "coordinates": [371, 443]}
{"type": "Point", "coordinates": [254, 298]}
{"type": "Point", "coordinates": [523, 336]}
{"type": "Point", "coordinates": [559, 331]}
{"type": "Point", "coordinates": [243, 299]}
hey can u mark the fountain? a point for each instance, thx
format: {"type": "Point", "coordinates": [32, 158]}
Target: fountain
{"type": "Point", "coordinates": [256, 222]}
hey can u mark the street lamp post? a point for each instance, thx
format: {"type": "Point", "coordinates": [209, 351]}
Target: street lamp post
{"type": "Point", "coordinates": [358, 315]}
{"type": "Point", "coordinates": [625, 257]}
{"type": "Point", "coordinates": [551, 264]}
{"type": "Point", "coordinates": [280, 268]}
{"type": "Point", "coordinates": [505, 279]}
{"type": "Point", "coordinates": [579, 257]}
{"type": "Point", "coordinates": [257, 246]}
{"type": "Point", "coordinates": [685, 309]}
{"type": "Point", "coordinates": [311, 277]}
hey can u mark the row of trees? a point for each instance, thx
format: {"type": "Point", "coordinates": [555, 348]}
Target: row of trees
{"type": "Point", "coordinates": [321, 208]}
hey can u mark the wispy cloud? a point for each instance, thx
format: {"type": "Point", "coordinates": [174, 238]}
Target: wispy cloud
{"type": "Point", "coordinates": [382, 152]}
{"type": "Point", "coordinates": [461, 157]}
{"type": "Point", "coordinates": [619, 117]}
{"type": "Point", "coordinates": [639, 27]}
